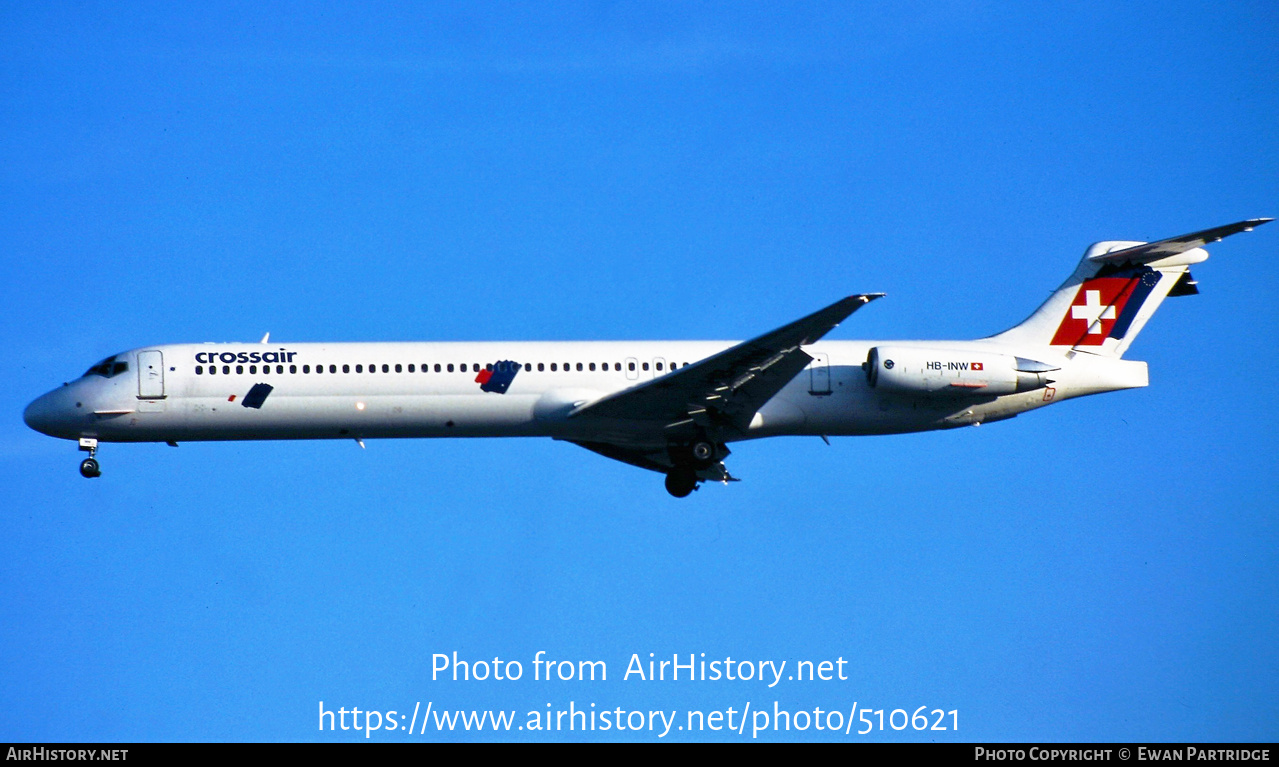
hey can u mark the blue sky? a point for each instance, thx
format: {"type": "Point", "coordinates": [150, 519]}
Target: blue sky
{"type": "Point", "coordinates": [1101, 570]}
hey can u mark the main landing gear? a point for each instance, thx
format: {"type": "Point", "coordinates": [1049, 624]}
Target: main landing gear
{"type": "Point", "coordinates": [695, 462]}
{"type": "Point", "coordinates": [89, 467]}
{"type": "Point", "coordinates": [680, 482]}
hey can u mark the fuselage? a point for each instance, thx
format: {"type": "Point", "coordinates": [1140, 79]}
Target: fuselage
{"type": "Point", "coordinates": [665, 406]}
{"type": "Point", "coordinates": [194, 392]}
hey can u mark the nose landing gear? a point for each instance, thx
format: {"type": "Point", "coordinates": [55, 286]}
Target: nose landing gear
{"type": "Point", "coordinates": [89, 467]}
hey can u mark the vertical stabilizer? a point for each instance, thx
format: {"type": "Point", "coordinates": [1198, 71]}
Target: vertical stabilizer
{"type": "Point", "coordinates": [1114, 291]}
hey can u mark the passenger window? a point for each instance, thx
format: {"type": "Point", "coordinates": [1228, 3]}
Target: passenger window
{"type": "Point", "coordinates": [566, 367]}
{"type": "Point", "coordinates": [226, 370]}
{"type": "Point", "coordinates": [253, 369]}
{"type": "Point", "coordinates": [199, 370]}
{"type": "Point", "coordinates": [437, 367]}
{"type": "Point", "coordinates": [644, 365]}
{"type": "Point", "coordinates": [293, 368]}
{"type": "Point", "coordinates": [659, 366]}
{"type": "Point", "coordinates": [450, 367]}
{"type": "Point", "coordinates": [306, 368]}
{"type": "Point", "coordinates": [528, 367]}
{"type": "Point", "coordinates": [319, 368]}
{"type": "Point", "coordinates": [398, 368]}
{"type": "Point", "coordinates": [541, 367]}
{"type": "Point", "coordinates": [239, 370]}
{"type": "Point", "coordinates": [333, 368]}
{"type": "Point", "coordinates": [412, 369]}
{"type": "Point", "coordinates": [630, 366]}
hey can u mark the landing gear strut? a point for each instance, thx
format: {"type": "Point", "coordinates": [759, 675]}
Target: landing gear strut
{"type": "Point", "coordinates": [89, 467]}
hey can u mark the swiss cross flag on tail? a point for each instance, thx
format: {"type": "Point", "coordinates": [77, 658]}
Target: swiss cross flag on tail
{"type": "Point", "coordinates": [1104, 307]}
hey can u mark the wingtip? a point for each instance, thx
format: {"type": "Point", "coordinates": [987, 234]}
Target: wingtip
{"type": "Point", "coordinates": [866, 298]}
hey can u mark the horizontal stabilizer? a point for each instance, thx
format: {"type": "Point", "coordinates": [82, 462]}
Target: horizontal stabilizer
{"type": "Point", "coordinates": [1153, 251]}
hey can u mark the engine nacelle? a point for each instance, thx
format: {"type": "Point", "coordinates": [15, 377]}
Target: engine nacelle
{"type": "Point", "coordinates": [952, 372]}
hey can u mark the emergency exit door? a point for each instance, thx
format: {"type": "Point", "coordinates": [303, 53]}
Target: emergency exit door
{"type": "Point", "coordinates": [819, 371]}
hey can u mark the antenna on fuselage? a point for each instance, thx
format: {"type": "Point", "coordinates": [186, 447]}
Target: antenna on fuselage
{"type": "Point", "coordinates": [266, 338]}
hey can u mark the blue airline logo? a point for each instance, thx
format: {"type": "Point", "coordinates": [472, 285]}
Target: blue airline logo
{"type": "Point", "coordinates": [497, 377]}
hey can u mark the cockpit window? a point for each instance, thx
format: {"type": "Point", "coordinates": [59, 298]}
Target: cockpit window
{"type": "Point", "coordinates": [107, 368]}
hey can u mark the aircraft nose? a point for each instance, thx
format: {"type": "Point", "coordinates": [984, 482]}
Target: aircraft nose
{"type": "Point", "coordinates": [37, 415]}
{"type": "Point", "coordinates": [45, 414]}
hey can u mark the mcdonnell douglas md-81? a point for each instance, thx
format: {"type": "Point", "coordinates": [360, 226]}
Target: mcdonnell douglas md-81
{"type": "Point", "coordinates": [669, 406]}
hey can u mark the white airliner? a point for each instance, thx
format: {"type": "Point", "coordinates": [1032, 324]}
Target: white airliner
{"type": "Point", "coordinates": [669, 406]}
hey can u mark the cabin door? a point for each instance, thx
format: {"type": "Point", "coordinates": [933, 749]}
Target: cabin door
{"type": "Point", "coordinates": [150, 375]}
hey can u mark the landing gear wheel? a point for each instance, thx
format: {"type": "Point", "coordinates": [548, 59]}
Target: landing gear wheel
{"type": "Point", "coordinates": [89, 468]}
{"type": "Point", "coordinates": [703, 453]}
{"type": "Point", "coordinates": [681, 482]}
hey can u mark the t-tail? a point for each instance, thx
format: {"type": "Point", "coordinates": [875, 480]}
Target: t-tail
{"type": "Point", "coordinates": [1114, 291]}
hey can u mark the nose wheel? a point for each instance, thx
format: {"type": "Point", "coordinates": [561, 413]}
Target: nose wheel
{"type": "Point", "coordinates": [89, 467]}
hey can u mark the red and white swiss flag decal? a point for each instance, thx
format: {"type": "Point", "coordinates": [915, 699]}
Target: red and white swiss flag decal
{"type": "Point", "coordinates": [1093, 312]}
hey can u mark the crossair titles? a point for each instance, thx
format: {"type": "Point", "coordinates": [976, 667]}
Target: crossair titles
{"type": "Point", "coordinates": [206, 358]}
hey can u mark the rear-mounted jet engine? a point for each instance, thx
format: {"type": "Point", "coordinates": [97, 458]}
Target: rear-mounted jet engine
{"type": "Point", "coordinates": [949, 372]}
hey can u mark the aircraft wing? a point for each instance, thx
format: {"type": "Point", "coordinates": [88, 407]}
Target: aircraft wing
{"type": "Point", "coordinates": [732, 385]}
{"type": "Point", "coordinates": [653, 460]}
{"type": "Point", "coordinates": [1153, 251]}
